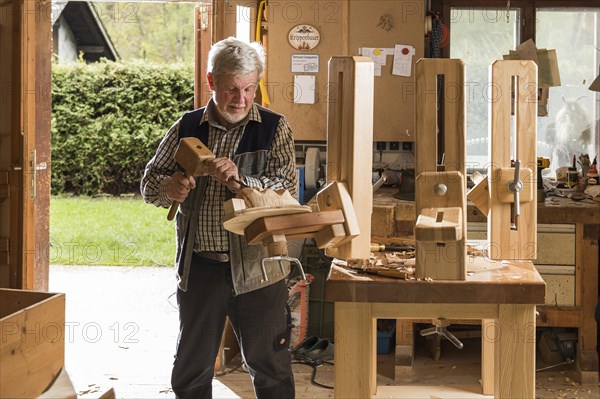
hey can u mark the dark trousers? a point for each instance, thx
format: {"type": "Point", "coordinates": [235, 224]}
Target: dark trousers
{"type": "Point", "coordinates": [260, 324]}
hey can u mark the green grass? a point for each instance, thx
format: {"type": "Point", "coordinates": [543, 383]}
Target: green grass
{"type": "Point", "coordinates": [109, 231]}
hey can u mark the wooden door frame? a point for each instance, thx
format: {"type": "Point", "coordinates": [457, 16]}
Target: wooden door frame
{"type": "Point", "coordinates": [27, 188]}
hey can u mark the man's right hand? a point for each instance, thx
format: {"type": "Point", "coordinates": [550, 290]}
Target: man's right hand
{"type": "Point", "coordinates": [179, 186]}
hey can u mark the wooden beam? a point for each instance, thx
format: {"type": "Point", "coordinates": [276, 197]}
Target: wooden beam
{"type": "Point", "coordinates": [203, 31]}
{"type": "Point", "coordinates": [508, 242]}
{"type": "Point", "coordinates": [350, 142]}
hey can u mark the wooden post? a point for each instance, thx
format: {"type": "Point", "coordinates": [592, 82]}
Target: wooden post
{"type": "Point", "coordinates": [518, 241]}
{"type": "Point", "coordinates": [440, 191]}
{"type": "Point", "coordinates": [203, 27]}
{"type": "Point", "coordinates": [350, 143]}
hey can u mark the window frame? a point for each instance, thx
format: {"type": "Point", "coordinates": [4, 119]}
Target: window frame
{"type": "Point", "coordinates": [526, 30]}
{"type": "Point", "coordinates": [527, 10]}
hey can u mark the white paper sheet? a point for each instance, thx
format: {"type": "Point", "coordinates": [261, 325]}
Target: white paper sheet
{"type": "Point", "coordinates": [304, 89]}
{"type": "Point", "coordinates": [403, 60]}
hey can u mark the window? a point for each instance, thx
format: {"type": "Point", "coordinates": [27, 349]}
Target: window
{"type": "Point", "coordinates": [482, 34]}
{"type": "Point", "coordinates": [495, 34]}
{"type": "Point", "coordinates": [571, 127]}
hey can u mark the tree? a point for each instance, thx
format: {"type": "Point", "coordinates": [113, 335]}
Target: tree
{"type": "Point", "coordinates": [153, 32]}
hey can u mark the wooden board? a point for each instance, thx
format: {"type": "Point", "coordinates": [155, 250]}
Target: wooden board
{"type": "Point", "coordinates": [292, 226]}
{"type": "Point", "coordinates": [509, 243]}
{"type": "Point", "coordinates": [32, 341]}
{"type": "Point", "coordinates": [498, 285]}
{"type": "Point", "coordinates": [349, 133]}
{"type": "Point", "coordinates": [238, 221]}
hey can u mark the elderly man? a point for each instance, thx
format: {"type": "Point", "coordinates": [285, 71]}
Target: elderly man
{"type": "Point", "coordinates": [219, 275]}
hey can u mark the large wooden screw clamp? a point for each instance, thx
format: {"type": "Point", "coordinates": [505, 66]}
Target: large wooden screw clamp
{"type": "Point", "coordinates": [271, 218]}
{"type": "Point", "coordinates": [191, 154]}
{"type": "Point", "coordinates": [440, 202]}
{"type": "Point", "coordinates": [508, 196]}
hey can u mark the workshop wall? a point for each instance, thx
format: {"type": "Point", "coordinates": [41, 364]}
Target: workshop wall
{"type": "Point", "coordinates": [343, 27]}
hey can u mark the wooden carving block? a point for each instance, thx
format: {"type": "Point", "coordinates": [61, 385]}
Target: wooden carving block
{"type": "Point", "coordinates": [255, 197]}
{"type": "Point", "coordinates": [505, 175]}
{"type": "Point", "coordinates": [439, 225]}
{"type": "Point", "coordinates": [191, 155]}
{"type": "Point", "coordinates": [330, 236]}
{"type": "Point", "coordinates": [335, 196]}
{"type": "Point", "coordinates": [480, 196]}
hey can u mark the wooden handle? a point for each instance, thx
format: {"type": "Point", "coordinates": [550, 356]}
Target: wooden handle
{"type": "Point", "coordinates": [173, 210]}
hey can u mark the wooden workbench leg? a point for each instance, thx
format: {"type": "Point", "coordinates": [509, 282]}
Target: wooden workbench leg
{"type": "Point", "coordinates": [355, 364]}
{"type": "Point", "coordinates": [488, 338]}
{"type": "Point", "coordinates": [586, 297]}
{"type": "Point", "coordinates": [405, 346]}
{"type": "Point", "coordinates": [514, 371]}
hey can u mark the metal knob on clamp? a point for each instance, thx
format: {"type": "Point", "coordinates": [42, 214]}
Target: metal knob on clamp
{"type": "Point", "coordinates": [515, 186]}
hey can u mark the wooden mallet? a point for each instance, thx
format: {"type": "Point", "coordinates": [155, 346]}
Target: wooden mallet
{"type": "Point", "coordinates": [190, 155]}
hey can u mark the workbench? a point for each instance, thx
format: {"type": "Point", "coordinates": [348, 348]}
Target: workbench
{"type": "Point", "coordinates": [393, 218]}
{"type": "Point", "coordinates": [504, 297]}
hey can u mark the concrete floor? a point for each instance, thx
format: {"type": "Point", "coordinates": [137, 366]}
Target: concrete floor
{"type": "Point", "coordinates": [122, 325]}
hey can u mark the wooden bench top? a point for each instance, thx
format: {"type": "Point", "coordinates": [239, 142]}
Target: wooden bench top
{"type": "Point", "coordinates": [503, 283]}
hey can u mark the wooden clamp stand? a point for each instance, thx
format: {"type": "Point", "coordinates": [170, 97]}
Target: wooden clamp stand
{"type": "Point", "coordinates": [508, 196]}
{"type": "Point", "coordinates": [338, 224]}
{"type": "Point", "coordinates": [272, 222]}
{"type": "Point", "coordinates": [440, 202]}
{"type": "Point", "coordinates": [349, 152]}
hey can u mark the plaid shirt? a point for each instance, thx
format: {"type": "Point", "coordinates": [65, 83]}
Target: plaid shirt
{"type": "Point", "coordinates": [280, 172]}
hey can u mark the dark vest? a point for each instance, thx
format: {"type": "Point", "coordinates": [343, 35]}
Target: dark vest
{"type": "Point", "coordinates": [257, 136]}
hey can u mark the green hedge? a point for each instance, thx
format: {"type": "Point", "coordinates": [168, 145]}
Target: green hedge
{"type": "Point", "coordinates": [107, 120]}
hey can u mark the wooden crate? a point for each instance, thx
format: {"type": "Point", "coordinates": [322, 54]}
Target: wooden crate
{"type": "Point", "coordinates": [32, 341]}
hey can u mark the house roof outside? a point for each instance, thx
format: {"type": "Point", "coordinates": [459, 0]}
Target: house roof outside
{"type": "Point", "coordinates": [91, 36]}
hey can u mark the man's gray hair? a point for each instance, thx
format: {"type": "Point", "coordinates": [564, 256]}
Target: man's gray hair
{"type": "Point", "coordinates": [234, 57]}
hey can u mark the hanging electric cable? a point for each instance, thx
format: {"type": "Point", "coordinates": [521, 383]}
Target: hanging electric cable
{"type": "Point", "coordinates": [258, 37]}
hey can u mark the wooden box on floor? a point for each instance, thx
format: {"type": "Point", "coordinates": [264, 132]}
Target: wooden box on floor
{"type": "Point", "coordinates": [32, 341]}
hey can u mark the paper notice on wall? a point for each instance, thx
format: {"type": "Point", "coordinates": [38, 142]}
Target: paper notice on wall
{"type": "Point", "coordinates": [378, 55]}
{"type": "Point", "coordinates": [403, 55]}
{"type": "Point", "coordinates": [304, 89]}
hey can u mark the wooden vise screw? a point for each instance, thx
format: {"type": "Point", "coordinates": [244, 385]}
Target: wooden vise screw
{"type": "Point", "coordinates": [190, 155]}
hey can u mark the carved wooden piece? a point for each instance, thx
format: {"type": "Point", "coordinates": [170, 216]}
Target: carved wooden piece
{"type": "Point", "coordinates": [440, 249]}
{"type": "Point", "coordinates": [251, 204]}
{"type": "Point", "coordinates": [507, 242]}
{"type": "Point", "coordinates": [349, 143]}
{"type": "Point", "coordinates": [480, 196]}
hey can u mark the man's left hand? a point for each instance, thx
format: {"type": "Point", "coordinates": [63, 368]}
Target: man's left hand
{"type": "Point", "coordinates": [225, 172]}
